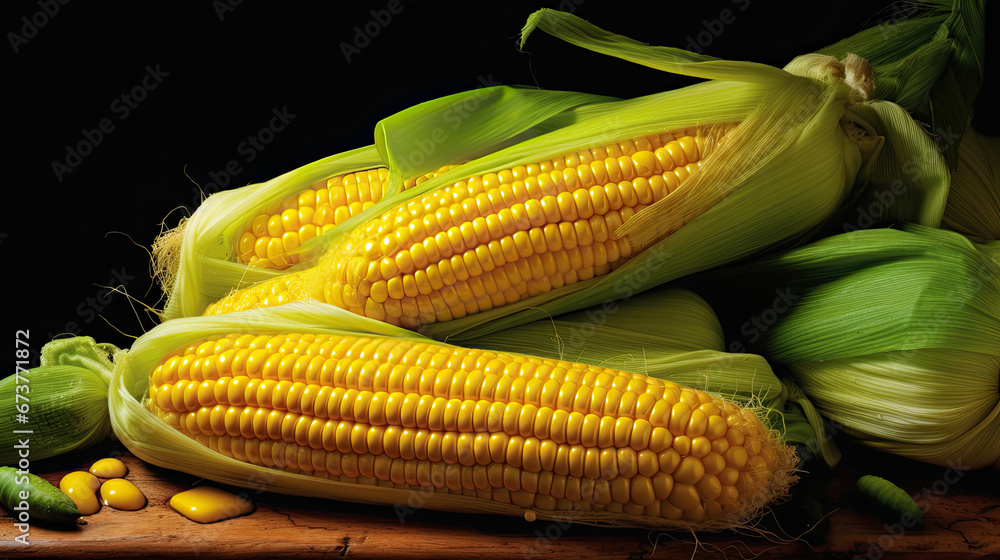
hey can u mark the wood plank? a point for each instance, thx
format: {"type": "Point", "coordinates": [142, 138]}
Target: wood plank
{"type": "Point", "coordinates": [962, 518]}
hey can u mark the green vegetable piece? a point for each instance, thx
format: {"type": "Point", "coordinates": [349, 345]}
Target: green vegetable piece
{"type": "Point", "coordinates": [891, 497]}
{"type": "Point", "coordinates": [45, 502]}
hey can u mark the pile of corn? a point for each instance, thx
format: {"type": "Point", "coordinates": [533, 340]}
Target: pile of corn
{"type": "Point", "coordinates": [492, 325]}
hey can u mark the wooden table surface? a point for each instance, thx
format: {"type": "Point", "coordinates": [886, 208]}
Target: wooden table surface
{"type": "Point", "coordinates": [962, 521]}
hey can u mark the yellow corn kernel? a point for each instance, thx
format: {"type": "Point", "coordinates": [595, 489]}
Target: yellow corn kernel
{"type": "Point", "coordinates": [109, 468]}
{"type": "Point", "coordinates": [122, 494]}
{"type": "Point", "coordinates": [82, 487]}
{"type": "Point", "coordinates": [207, 504]}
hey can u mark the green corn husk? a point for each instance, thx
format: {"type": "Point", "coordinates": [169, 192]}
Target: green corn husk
{"type": "Point", "coordinates": [64, 400]}
{"type": "Point", "coordinates": [673, 334]}
{"type": "Point", "coordinates": [894, 336]}
{"type": "Point", "coordinates": [928, 58]}
{"type": "Point", "coordinates": [973, 207]}
{"type": "Point", "coordinates": [928, 62]}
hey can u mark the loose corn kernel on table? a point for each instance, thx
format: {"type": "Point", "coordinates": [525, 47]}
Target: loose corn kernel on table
{"type": "Point", "coordinates": [962, 522]}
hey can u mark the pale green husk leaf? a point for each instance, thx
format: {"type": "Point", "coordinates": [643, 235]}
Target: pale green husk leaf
{"type": "Point", "coordinates": [667, 320]}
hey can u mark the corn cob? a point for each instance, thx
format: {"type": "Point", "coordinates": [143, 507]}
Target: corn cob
{"type": "Point", "coordinates": [492, 239]}
{"type": "Point", "coordinates": [816, 110]}
{"type": "Point", "coordinates": [546, 435]}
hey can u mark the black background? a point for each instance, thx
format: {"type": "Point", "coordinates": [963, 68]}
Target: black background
{"type": "Point", "coordinates": [63, 241]}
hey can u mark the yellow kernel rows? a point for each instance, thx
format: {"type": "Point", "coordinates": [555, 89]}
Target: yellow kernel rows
{"type": "Point", "coordinates": [538, 433]}
{"type": "Point", "coordinates": [271, 236]}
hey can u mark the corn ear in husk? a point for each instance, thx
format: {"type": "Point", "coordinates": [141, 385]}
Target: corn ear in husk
{"type": "Point", "coordinates": [196, 261]}
{"type": "Point", "coordinates": [885, 136]}
{"type": "Point", "coordinates": [60, 406]}
{"type": "Point", "coordinates": [894, 335]}
{"type": "Point", "coordinates": [154, 440]}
